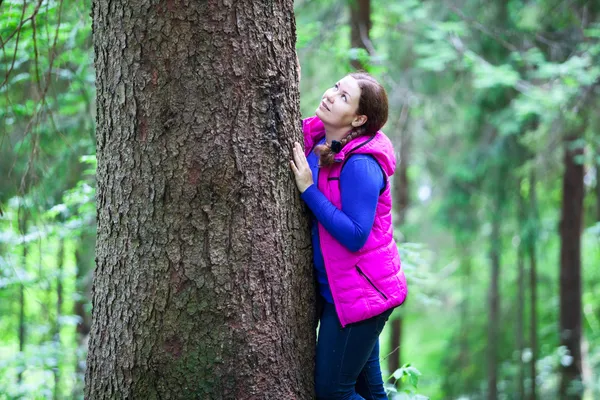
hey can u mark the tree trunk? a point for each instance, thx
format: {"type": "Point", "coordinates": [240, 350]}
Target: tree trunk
{"type": "Point", "coordinates": [203, 285]}
{"type": "Point", "coordinates": [493, 303]}
{"type": "Point", "coordinates": [494, 295]}
{"type": "Point", "coordinates": [360, 26]}
{"type": "Point", "coordinates": [23, 230]}
{"type": "Point", "coordinates": [520, 334]}
{"type": "Point", "coordinates": [531, 249]}
{"type": "Point", "coordinates": [59, 302]}
{"type": "Point", "coordinates": [570, 266]}
{"type": "Point", "coordinates": [401, 203]}
{"type": "Point", "coordinates": [598, 184]}
{"type": "Point", "coordinates": [84, 260]}
{"type": "Point", "coordinates": [465, 356]}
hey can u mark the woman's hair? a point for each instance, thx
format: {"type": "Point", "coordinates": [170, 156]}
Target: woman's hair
{"type": "Point", "coordinates": [373, 103]}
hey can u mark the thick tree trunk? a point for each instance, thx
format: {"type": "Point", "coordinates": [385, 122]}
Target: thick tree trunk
{"type": "Point", "coordinates": [360, 26]}
{"type": "Point", "coordinates": [203, 287]}
{"type": "Point", "coordinates": [531, 249]}
{"type": "Point", "coordinates": [570, 266]}
{"type": "Point", "coordinates": [519, 326]}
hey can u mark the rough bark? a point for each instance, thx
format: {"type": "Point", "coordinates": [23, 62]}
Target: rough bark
{"type": "Point", "coordinates": [531, 250]}
{"type": "Point", "coordinates": [360, 26]}
{"type": "Point", "coordinates": [203, 285]}
{"type": "Point", "coordinates": [570, 265]}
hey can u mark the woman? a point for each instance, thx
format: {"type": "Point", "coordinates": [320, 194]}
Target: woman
{"type": "Point", "coordinates": [355, 256]}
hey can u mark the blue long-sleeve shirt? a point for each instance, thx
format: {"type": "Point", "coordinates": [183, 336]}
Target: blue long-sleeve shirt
{"type": "Point", "coordinates": [361, 181]}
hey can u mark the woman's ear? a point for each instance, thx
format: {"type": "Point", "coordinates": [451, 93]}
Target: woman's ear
{"type": "Point", "coordinates": [359, 121]}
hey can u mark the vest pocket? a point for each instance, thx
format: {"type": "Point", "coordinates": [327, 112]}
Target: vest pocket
{"type": "Point", "coordinates": [361, 273]}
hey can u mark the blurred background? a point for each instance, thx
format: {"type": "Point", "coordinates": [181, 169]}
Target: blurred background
{"type": "Point", "coordinates": [494, 112]}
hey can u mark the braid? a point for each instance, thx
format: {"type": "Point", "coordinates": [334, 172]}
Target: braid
{"type": "Point", "coordinates": [326, 156]}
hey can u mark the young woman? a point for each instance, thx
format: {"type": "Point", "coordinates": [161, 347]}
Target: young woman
{"type": "Point", "coordinates": [355, 256]}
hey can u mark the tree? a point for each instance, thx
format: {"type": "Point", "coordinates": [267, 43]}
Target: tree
{"type": "Point", "coordinates": [360, 25]}
{"type": "Point", "coordinates": [203, 286]}
{"type": "Point", "coordinates": [570, 262]}
{"type": "Point", "coordinates": [531, 253]}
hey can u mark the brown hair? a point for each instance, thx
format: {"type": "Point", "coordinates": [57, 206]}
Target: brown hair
{"type": "Point", "coordinates": [373, 103]}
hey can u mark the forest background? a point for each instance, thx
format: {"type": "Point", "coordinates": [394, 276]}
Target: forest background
{"type": "Point", "coordinates": [494, 114]}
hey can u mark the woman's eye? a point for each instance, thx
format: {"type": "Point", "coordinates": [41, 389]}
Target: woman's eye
{"type": "Point", "coordinates": [344, 97]}
{"type": "Point", "coordinates": [335, 86]}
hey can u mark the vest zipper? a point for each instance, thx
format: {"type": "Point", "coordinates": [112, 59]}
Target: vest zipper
{"type": "Point", "coordinates": [370, 282]}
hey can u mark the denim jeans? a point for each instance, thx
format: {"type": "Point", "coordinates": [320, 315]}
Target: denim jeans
{"type": "Point", "coordinates": [347, 365]}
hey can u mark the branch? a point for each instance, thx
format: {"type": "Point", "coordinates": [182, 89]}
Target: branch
{"type": "Point", "coordinates": [17, 31]}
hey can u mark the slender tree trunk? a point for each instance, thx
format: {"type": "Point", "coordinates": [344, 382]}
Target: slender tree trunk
{"type": "Point", "coordinates": [396, 344]}
{"type": "Point", "coordinates": [203, 286]}
{"type": "Point", "coordinates": [23, 230]}
{"type": "Point", "coordinates": [494, 294]}
{"type": "Point", "coordinates": [360, 26]}
{"type": "Point", "coordinates": [570, 266]}
{"type": "Point", "coordinates": [59, 303]}
{"type": "Point", "coordinates": [84, 260]}
{"type": "Point", "coordinates": [494, 309]}
{"type": "Point", "coordinates": [531, 250]}
{"type": "Point", "coordinates": [598, 185]}
{"type": "Point", "coordinates": [401, 200]}
{"type": "Point", "coordinates": [521, 294]}
{"type": "Point", "coordinates": [464, 308]}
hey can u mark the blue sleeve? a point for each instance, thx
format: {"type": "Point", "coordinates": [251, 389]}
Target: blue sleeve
{"type": "Point", "coordinates": [361, 181]}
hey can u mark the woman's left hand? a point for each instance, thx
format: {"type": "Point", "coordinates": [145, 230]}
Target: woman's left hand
{"type": "Point", "coordinates": [301, 169]}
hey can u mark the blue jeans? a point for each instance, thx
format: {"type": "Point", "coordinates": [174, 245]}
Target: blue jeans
{"type": "Point", "coordinates": [347, 365]}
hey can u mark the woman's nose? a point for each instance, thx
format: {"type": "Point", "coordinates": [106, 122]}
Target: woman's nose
{"type": "Point", "coordinates": [328, 96]}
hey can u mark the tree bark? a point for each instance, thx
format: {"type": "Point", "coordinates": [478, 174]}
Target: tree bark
{"type": "Point", "coordinates": [204, 285]}
{"type": "Point", "coordinates": [360, 26]}
{"type": "Point", "coordinates": [531, 250]}
{"type": "Point", "coordinates": [570, 265]}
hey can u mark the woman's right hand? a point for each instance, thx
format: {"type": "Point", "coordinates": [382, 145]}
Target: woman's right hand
{"type": "Point", "coordinates": [301, 169]}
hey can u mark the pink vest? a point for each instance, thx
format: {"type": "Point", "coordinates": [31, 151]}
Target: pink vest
{"type": "Point", "coordinates": [370, 281]}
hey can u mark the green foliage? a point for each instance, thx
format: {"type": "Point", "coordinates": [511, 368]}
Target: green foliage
{"type": "Point", "coordinates": [406, 382]}
{"type": "Point", "coordinates": [488, 95]}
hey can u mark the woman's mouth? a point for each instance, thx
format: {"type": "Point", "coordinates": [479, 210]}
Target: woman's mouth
{"type": "Point", "coordinates": [324, 106]}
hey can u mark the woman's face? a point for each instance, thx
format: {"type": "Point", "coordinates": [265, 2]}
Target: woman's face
{"type": "Point", "coordinates": [340, 103]}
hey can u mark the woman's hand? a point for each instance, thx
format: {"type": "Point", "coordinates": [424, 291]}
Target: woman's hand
{"type": "Point", "coordinates": [301, 169]}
